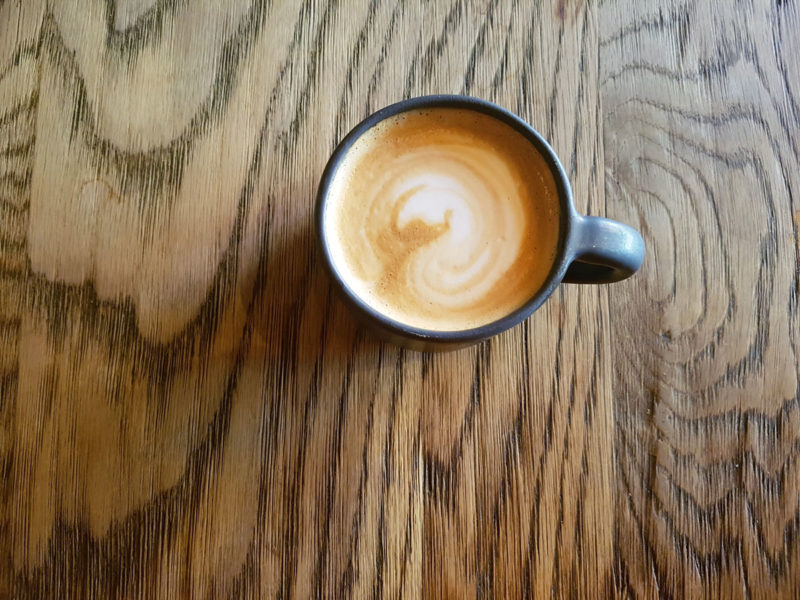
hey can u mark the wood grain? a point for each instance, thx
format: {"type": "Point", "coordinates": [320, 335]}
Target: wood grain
{"type": "Point", "coordinates": [701, 141]}
{"type": "Point", "coordinates": [186, 410]}
{"type": "Point", "coordinates": [189, 410]}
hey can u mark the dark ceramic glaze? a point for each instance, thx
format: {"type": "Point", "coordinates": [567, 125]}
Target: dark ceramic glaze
{"type": "Point", "coordinates": [590, 249]}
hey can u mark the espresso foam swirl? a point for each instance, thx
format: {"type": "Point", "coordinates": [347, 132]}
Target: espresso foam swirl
{"type": "Point", "coordinates": [444, 219]}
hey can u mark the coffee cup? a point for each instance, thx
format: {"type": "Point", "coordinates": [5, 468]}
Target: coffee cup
{"type": "Point", "coordinates": [445, 220]}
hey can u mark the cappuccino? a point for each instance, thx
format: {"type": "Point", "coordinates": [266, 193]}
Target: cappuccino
{"type": "Point", "coordinates": [443, 219]}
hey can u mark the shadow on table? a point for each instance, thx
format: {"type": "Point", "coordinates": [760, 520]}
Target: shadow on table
{"type": "Point", "coordinates": [299, 319]}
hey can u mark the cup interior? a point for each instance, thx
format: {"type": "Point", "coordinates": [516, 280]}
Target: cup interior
{"type": "Point", "coordinates": [394, 328]}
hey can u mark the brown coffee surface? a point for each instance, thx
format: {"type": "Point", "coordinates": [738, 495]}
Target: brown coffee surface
{"type": "Point", "coordinates": [443, 219]}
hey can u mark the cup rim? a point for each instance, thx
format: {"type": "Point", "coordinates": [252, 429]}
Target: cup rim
{"type": "Point", "coordinates": [461, 336]}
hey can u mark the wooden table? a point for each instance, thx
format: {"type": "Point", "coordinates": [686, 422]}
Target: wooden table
{"type": "Point", "coordinates": [187, 411]}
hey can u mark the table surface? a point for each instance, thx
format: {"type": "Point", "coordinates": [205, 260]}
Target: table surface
{"type": "Point", "coordinates": [186, 409]}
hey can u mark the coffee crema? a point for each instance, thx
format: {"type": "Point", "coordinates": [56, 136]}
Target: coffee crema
{"type": "Point", "coordinates": [443, 219]}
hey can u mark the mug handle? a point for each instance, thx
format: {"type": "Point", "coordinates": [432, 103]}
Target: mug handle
{"type": "Point", "coordinates": [603, 251]}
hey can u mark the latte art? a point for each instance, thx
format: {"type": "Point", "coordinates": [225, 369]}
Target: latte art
{"type": "Point", "coordinates": [443, 219]}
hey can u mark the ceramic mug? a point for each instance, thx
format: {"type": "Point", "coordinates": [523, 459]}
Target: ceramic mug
{"type": "Point", "coordinates": [590, 249]}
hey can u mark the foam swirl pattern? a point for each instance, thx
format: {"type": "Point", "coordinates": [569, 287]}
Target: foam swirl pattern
{"type": "Point", "coordinates": [443, 219]}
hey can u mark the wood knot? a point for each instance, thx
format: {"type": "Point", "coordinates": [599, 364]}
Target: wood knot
{"type": "Point", "coordinates": [96, 191]}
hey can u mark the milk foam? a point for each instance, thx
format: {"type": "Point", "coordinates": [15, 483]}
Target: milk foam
{"type": "Point", "coordinates": [432, 220]}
